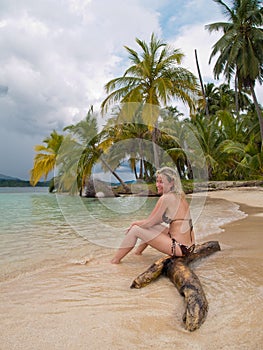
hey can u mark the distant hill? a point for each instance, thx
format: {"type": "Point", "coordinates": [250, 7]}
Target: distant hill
{"type": "Point", "coordinates": [9, 181]}
{"type": "Point", "coordinates": [5, 177]}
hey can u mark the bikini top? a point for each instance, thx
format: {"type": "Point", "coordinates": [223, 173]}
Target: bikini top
{"type": "Point", "coordinates": [169, 221]}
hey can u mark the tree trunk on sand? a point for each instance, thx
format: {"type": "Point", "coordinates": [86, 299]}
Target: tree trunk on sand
{"type": "Point", "coordinates": [185, 280]}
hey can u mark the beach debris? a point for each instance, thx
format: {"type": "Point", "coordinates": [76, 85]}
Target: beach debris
{"type": "Point", "coordinates": [185, 280]}
{"type": "Point", "coordinates": [189, 286]}
{"type": "Point", "coordinates": [100, 195]}
{"type": "Point", "coordinates": [153, 272]}
{"type": "Point", "coordinates": [83, 261]}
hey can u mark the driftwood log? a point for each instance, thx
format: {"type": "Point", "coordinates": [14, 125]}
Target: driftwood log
{"type": "Point", "coordinates": [185, 280]}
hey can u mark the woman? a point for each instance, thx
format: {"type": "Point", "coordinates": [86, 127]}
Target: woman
{"type": "Point", "coordinates": [168, 228]}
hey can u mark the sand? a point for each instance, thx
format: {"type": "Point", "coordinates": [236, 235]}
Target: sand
{"type": "Point", "coordinates": [246, 233]}
{"type": "Point", "coordinates": [74, 306]}
{"type": "Point", "coordinates": [251, 196]}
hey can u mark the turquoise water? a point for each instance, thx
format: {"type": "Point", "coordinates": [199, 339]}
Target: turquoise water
{"type": "Point", "coordinates": [38, 228]}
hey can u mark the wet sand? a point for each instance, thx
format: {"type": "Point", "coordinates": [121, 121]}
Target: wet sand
{"type": "Point", "coordinates": [247, 234]}
{"type": "Point", "coordinates": [74, 306]}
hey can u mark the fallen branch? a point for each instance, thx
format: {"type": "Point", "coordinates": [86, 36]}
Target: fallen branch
{"type": "Point", "coordinates": [151, 274]}
{"type": "Point", "coordinates": [189, 286]}
{"type": "Point", "coordinates": [185, 280]}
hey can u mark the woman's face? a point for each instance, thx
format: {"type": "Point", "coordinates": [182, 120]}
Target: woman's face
{"type": "Point", "coordinates": [163, 185]}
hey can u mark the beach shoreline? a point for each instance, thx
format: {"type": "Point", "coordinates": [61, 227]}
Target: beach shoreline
{"type": "Point", "coordinates": [246, 233]}
{"type": "Point", "coordinates": [90, 306]}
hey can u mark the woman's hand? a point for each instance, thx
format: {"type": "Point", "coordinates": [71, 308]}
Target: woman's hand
{"type": "Point", "coordinates": [128, 229]}
{"type": "Point", "coordinates": [137, 223]}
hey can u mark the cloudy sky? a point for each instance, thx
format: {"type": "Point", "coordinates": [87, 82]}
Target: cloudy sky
{"type": "Point", "coordinates": [56, 57]}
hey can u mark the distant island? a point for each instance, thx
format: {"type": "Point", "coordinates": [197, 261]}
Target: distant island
{"type": "Point", "coordinates": [9, 181]}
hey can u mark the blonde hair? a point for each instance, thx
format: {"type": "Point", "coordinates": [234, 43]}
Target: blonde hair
{"type": "Point", "coordinates": [172, 175]}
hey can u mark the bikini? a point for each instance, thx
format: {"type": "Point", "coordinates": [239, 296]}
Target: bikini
{"type": "Point", "coordinates": [186, 250]}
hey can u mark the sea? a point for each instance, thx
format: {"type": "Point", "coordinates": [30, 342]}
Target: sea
{"type": "Point", "coordinates": [38, 227]}
{"type": "Point", "coordinates": [59, 291]}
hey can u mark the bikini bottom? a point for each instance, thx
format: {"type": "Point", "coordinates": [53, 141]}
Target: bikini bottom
{"type": "Point", "coordinates": [186, 250]}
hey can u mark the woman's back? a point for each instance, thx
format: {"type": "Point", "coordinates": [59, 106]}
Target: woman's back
{"type": "Point", "coordinates": [179, 218]}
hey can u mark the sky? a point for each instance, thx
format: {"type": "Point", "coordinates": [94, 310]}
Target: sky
{"type": "Point", "coordinates": [56, 57]}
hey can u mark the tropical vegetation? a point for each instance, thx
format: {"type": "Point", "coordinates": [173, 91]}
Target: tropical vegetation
{"type": "Point", "coordinates": [240, 48]}
{"type": "Point", "coordinates": [221, 139]}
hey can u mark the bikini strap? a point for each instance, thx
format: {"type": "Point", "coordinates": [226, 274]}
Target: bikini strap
{"type": "Point", "coordinates": [173, 248]}
{"type": "Point", "coordinates": [191, 229]}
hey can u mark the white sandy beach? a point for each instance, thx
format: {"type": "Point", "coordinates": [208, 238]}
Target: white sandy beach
{"type": "Point", "coordinates": [252, 196]}
{"type": "Point", "coordinates": [74, 306]}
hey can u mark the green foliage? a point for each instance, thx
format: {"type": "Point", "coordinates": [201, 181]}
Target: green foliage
{"type": "Point", "coordinates": [45, 158]}
{"type": "Point", "coordinates": [240, 49]}
{"type": "Point", "coordinates": [155, 77]}
{"type": "Point", "coordinates": [227, 144]}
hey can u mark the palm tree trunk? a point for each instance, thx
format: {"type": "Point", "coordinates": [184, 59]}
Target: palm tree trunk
{"type": "Point", "coordinates": [259, 112]}
{"type": "Point", "coordinates": [141, 169]}
{"type": "Point", "coordinates": [155, 147]}
{"type": "Point", "coordinates": [146, 175]}
{"type": "Point", "coordinates": [141, 158]}
{"type": "Point", "coordinates": [236, 95]}
{"type": "Point", "coordinates": [202, 85]}
{"type": "Point", "coordinates": [126, 188]}
{"type": "Point", "coordinates": [135, 170]}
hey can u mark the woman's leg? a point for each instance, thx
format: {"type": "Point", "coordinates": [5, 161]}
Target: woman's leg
{"type": "Point", "coordinates": [141, 248]}
{"type": "Point", "coordinates": [156, 237]}
{"type": "Point", "coordinates": [121, 253]}
{"type": "Point", "coordinates": [126, 246]}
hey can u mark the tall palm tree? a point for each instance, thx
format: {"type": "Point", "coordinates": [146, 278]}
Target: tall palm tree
{"type": "Point", "coordinates": [45, 159]}
{"type": "Point", "coordinates": [154, 78]}
{"type": "Point", "coordinates": [241, 46]}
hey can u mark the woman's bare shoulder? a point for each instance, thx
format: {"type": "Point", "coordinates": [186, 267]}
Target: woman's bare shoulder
{"type": "Point", "coordinates": [172, 196]}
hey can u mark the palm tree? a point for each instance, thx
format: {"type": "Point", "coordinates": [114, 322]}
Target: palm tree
{"type": "Point", "coordinates": [181, 142]}
{"type": "Point", "coordinates": [92, 144]}
{"type": "Point", "coordinates": [154, 78]}
{"type": "Point", "coordinates": [247, 160]}
{"type": "Point", "coordinates": [45, 159]}
{"type": "Point", "coordinates": [241, 47]}
{"type": "Point", "coordinates": [130, 142]}
{"type": "Point", "coordinates": [209, 137]}
{"type": "Point", "coordinates": [219, 98]}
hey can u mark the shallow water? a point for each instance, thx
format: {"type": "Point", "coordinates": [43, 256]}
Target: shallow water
{"type": "Point", "coordinates": [58, 290]}
{"type": "Point", "coordinates": [38, 228]}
